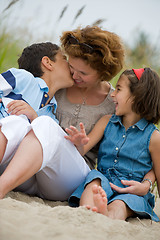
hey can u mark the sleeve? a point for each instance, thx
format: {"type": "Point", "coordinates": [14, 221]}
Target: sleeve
{"type": "Point", "coordinates": [7, 83]}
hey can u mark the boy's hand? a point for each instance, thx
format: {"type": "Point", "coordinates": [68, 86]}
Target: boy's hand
{"type": "Point", "coordinates": [18, 107]}
{"type": "Point", "coordinates": [78, 138]}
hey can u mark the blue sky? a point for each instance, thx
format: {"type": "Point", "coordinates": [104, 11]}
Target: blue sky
{"type": "Point", "coordinates": [37, 19]}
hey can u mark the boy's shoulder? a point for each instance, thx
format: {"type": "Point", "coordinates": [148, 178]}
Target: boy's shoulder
{"type": "Point", "coordinates": [15, 75]}
{"type": "Point", "coordinates": [17, 71]}
{"type": "Point", "coordinates": [21, 77]}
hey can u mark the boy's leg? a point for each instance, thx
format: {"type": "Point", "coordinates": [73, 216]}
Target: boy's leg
{"type": "Point", "coordinates": [25, 163]}
{"type": "Point", "coordinates": [3, 143]}
{"type": "Point", "coordinates": [63, 168]}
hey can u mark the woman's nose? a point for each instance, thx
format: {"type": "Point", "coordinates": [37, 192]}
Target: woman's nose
{"type": "Point", "coordinates": [74, 74]}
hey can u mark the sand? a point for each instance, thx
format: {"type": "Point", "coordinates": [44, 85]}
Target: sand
{"type": "Point", "coordinates": [30, 218]}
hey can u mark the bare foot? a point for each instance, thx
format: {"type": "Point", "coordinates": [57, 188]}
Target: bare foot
{"type": "Point", "coordinates": [100, 200]}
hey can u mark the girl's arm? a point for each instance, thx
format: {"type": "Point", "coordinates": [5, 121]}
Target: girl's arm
{"type": "Point", "coordinates": [154, 148]}
{"type": "Point", "coordinates": [83, 142]}
{"type": "Point", "coordinates": [135, 187]}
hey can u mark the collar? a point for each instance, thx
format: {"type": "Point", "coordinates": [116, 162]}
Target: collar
{"type": "Point", "coordinates": [42, 84]}
{"type": "Point", "coordinates": [141, 124]}
{"type": "Point", "coordinates": [54, 102]}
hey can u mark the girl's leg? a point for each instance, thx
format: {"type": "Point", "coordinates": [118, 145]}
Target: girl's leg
{"type": "Point", "coordinates": [87, 198]}
{"type": "Point", "coordinates": [3, 143]}
{"type": "Point", "coordinates": [119, 210]}
{"type": "Point", "coordinates": [94, 198]}
{"type": "Point", "coordinates": [115, 210]}
{"type": "Point", "coordinates": [25, 163]}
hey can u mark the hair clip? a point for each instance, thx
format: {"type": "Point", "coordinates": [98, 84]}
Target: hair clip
{"type": "Point", "coordinates": [138, 72]}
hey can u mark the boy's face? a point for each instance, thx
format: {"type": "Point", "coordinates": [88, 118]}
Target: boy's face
{"type": "Point", "coordinates": [61, 71]}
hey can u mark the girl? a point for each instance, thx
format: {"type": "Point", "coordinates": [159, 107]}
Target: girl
{"type": "Point", "coordinates": [130, 145]}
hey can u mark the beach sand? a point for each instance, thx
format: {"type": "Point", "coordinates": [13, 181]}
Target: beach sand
{"type": "Point", "coordinates": [30, 218]}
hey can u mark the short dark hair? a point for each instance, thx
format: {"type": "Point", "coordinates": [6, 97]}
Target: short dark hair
{"type": "Point", "coordinates": [146, 93]}
{"type": "Point", "coordinates": [31, 57]}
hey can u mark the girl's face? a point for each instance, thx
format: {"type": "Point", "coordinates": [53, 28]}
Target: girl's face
{"type": "Point", "coordinates": [122, 97]}
{"type": "Point", "coordinates": [83, 75]}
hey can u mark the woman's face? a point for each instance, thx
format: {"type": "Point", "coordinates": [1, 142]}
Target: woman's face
{"type": "Point", "coordinates": [83, 75]}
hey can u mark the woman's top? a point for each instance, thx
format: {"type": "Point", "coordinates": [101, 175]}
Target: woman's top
{"type": "Point", "coordinates": [126, 152]}
{"type": "Point", "coordinates": [72, 114]}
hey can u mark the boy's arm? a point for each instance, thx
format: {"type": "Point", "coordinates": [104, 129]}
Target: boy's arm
{"type": "Point", "coordinates": [18, 107]}
{"type": "Point", "coordinates": [83, 142]}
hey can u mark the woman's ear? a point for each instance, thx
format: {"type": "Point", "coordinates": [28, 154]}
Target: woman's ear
{"type": "Point", "coordinates": [46, 62]}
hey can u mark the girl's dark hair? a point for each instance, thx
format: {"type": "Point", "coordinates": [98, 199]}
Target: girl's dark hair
{"type": "Point", "coordinates": [146, 93]}
{"type": "Point", "coordinates": [108, 55]}
{"type": "Point", "coordinates": [31, 57]}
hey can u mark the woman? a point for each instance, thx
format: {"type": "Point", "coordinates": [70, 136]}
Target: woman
{"type": "Point", "coordinates": [95, 56]}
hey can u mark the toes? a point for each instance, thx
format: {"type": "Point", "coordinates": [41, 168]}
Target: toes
{"type": "Point", "coordinates": [94, 209]}
{"type": "Point", "coordinates": [88, 207]}
{"type": "Point", "coordinates": [95, 189]}
{"type": "Point", "coordinates": [102, 192]}
{"type": "Point", "coordinates": [105, 201]}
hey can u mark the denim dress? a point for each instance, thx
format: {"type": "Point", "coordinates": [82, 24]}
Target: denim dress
{"type": "Point", "coordinates": [123, 155]}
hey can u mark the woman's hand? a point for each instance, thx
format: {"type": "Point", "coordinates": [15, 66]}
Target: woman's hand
{"type": "Point", "coordinates": [78, 138]}
{"type": "Point", "coordinates": [18, 107]}
{"type": "Point", "coordinates": [134, 187]}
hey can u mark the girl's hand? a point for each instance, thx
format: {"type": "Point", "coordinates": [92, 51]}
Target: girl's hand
{"type": "Point", "coordinates": [78, 138]}
{"type": "Point", "coordinates": [134, 187]}
{"type": "Point", "coordinates": [18, 107]}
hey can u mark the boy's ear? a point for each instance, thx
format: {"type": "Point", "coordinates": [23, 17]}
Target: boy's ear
{"type": "Point", "coordinates": [46, 62]}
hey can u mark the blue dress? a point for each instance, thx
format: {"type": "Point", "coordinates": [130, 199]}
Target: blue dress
{"type": "Point", "coordinates": [123, 155]}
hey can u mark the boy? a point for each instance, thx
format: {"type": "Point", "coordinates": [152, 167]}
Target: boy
{"type": "Point", "coordinates": [43, 70]}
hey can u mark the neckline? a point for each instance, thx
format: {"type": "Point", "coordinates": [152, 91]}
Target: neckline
{"type": "Point", "coordinates": [107, 97]}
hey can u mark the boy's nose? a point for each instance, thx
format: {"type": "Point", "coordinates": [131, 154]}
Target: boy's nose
{"type": "Point", "coordinates": [113, 94]}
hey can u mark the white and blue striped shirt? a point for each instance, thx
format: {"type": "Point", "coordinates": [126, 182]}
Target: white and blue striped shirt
{"type": "Point", "coordinates": [19, 84]}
